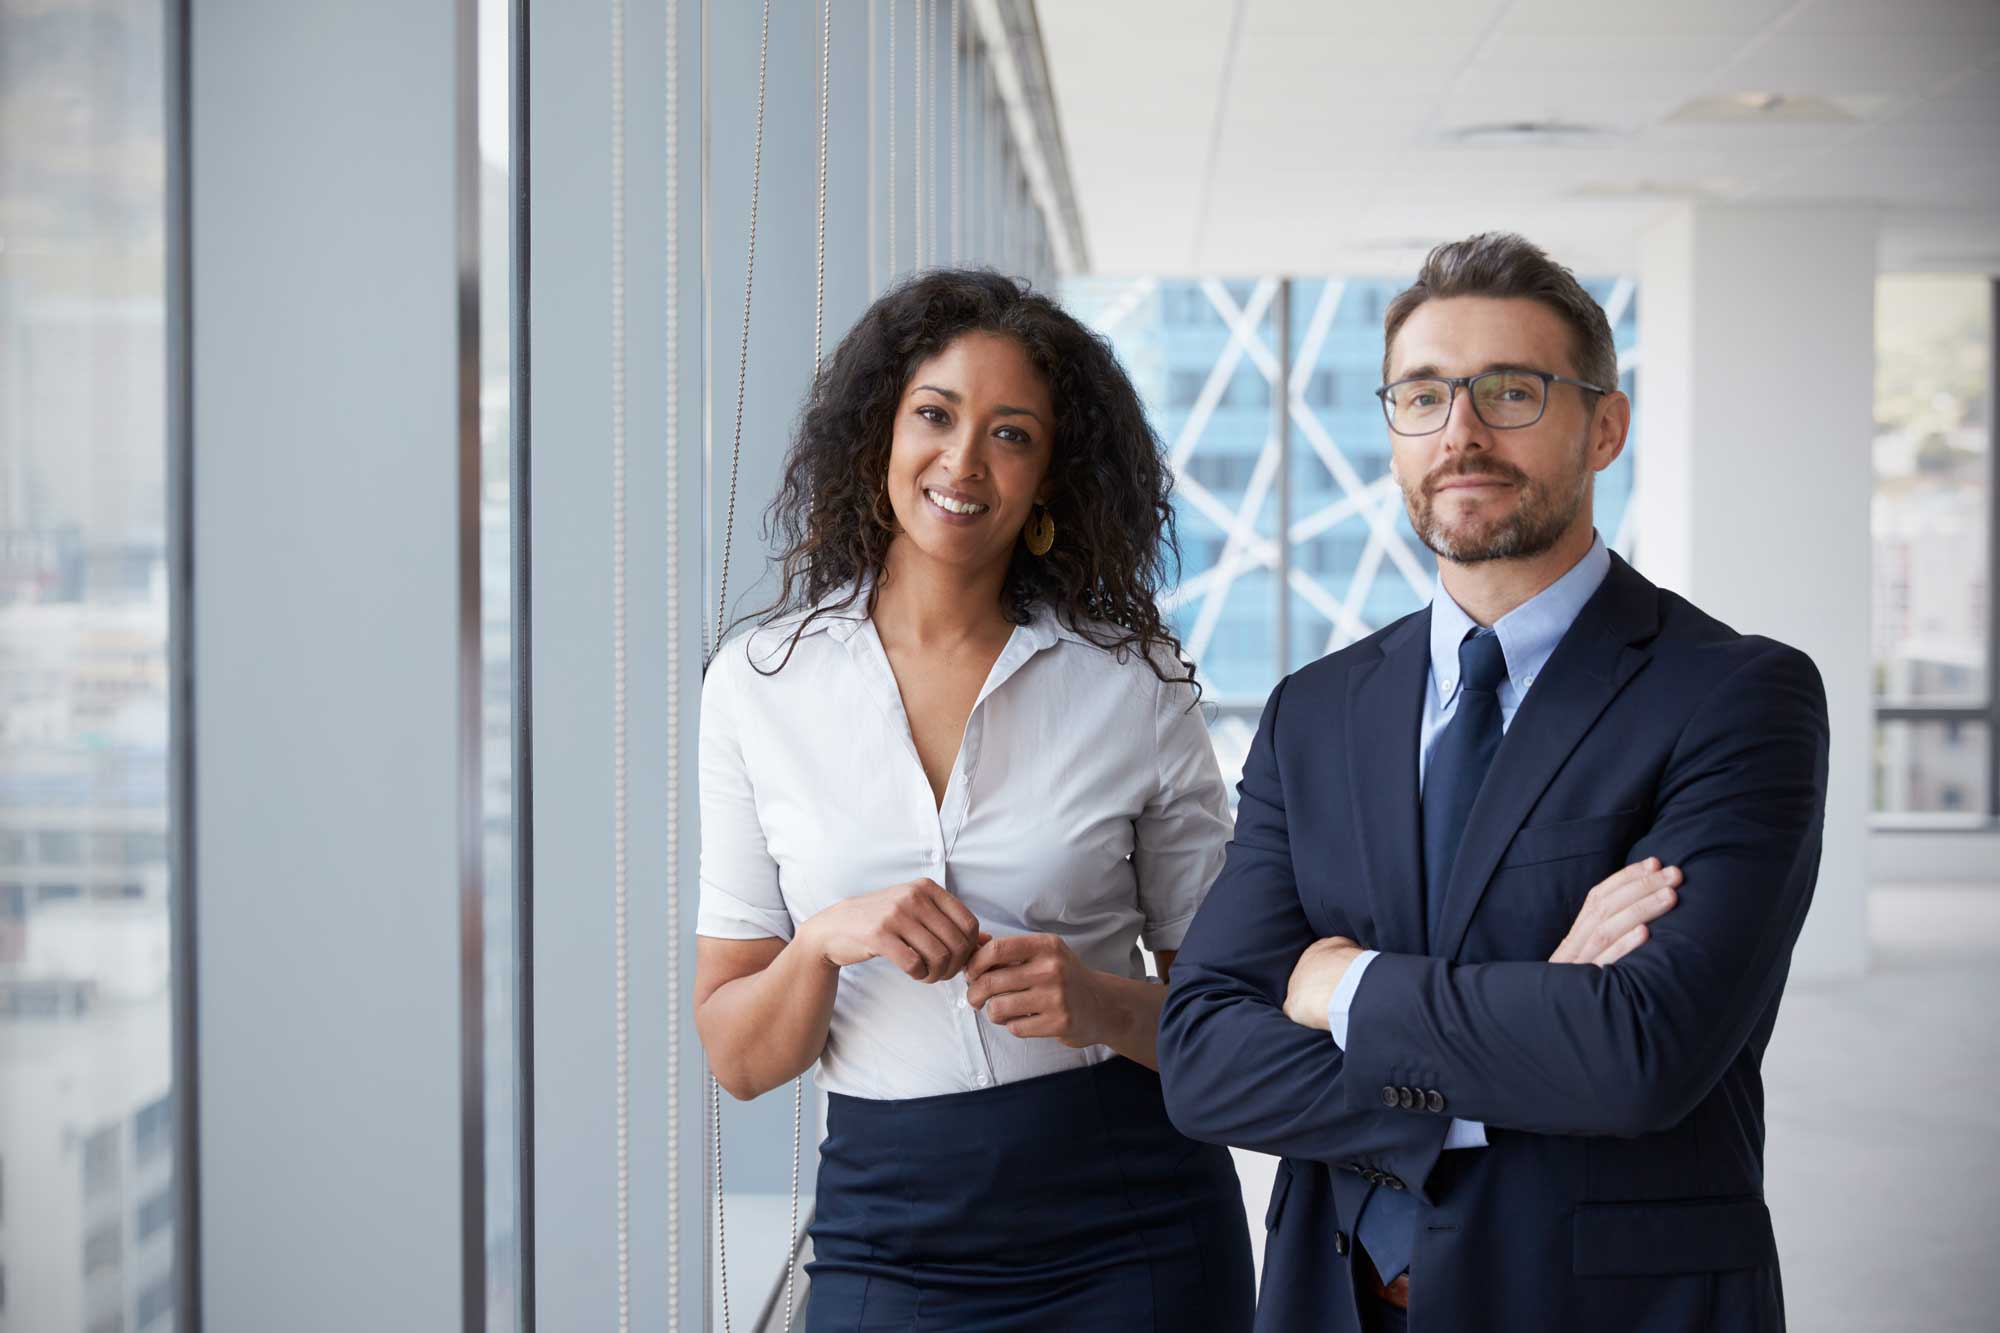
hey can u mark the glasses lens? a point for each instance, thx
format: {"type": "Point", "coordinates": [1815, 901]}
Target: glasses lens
{"type": "Point", "coordinates": [1417, 407]}
{"type": "Point", "coordinates": [1509, 398]}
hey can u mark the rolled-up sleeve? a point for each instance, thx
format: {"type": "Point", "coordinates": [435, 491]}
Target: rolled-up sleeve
{"type": "Point", "coordinates": [740, 895]}
{"type": "Point", "coordinates": [1182, 832]}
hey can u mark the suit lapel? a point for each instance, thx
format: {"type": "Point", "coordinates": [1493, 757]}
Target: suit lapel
{"type": "Point", "coordinates": [1385, 703]}
{"type": "Point", "coordinates": [1590, 666]}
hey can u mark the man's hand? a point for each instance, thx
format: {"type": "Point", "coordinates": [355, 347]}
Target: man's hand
{"type": "Point", "coordinates": [1615, 915]}
{"type": "Point", "coordinates": [1315, 977]}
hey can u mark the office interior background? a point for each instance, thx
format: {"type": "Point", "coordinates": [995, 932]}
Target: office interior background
{"type": "Point", "coordinates": [384, 386]}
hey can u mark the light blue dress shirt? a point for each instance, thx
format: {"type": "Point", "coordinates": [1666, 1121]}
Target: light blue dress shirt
{"type": "Point", "coordinates": [1528, 638]}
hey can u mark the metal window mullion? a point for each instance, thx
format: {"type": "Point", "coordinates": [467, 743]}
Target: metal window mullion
{"type": "Point", "coordinates": [180, 667]}
{"type": "Point", "coordinates": [1992, 552]}
{"type": "Point", "coordinates": [471, 691]}
{"type": "Point", "coordinates": [1281, 394]}
{"type": "Point", "coordinates": [522, 778]}
{"type": "Point", "coordinates": [1933, 712]}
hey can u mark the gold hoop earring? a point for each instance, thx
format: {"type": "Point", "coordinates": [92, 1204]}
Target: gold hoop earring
{"type": "Point", "coordinates": [1040, 533]}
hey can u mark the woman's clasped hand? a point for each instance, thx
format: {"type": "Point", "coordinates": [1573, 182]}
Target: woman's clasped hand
{"type": "Point", "coordinates": [916, 925]}
{"type": "Point", "coordinates": [1032, 985]}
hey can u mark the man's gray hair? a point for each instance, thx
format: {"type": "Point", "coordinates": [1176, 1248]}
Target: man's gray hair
{"type": "Point", "coordinates": [1501, 264]}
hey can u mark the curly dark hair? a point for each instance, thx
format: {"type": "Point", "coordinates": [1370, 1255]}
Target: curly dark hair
{"type": "Point", "coordinates": [1110, 480]}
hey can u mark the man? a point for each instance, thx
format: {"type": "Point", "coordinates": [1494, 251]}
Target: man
{"type": "Point", "coordinates": [1508, 1095]}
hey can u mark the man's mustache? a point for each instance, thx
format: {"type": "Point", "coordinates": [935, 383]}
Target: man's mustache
{"type": "Point", "coordinates": [1486, 467]}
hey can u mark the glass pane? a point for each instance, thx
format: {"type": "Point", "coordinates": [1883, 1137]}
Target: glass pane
{"type": "Point", "coordinates": [503, 1271]}
{"type": "Point", "coordinates": [1208, 391]}
{"type": "Point", "coordinates": [86, 1076]}
{"type": "Point", "coordinates": [1933, 367]}
{"type": "Point", "coordinates": [1931, 768]}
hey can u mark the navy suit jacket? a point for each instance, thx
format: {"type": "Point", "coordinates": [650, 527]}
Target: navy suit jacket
{"type": "Point", "coordinates": [1622, 1188]}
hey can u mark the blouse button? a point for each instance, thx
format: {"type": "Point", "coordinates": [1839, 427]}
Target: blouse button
{"type": "Point", "coordinates": [982, 1080]}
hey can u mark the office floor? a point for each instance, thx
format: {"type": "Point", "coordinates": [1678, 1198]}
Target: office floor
{"type": "Point", "coordinates": [1883, 1156]}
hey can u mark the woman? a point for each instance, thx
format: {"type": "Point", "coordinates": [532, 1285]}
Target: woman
{"type": "Point", "coordinates": [947, 786]}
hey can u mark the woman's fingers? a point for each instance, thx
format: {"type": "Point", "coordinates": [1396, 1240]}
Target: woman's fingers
{"type": "Point", "coordinates": [998, 981]}
{"type": "Point", "coordinates": [960, 914]}
{"type": "Point", "coordinates": [1010, 1008]}
{"type": "Point", "coordinates": [1035, 1025]}
{"type": "Point", "coordinates": [960, 943]}
{"type": "Point", "coordinates": [921, 931]}
{"type": "Point", "coordinates": [891, 946]}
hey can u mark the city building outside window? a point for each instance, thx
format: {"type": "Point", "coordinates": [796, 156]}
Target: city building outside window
{"type": "Point", "coordinates": [1932, 521]}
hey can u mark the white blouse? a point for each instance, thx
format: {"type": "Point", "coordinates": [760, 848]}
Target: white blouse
{"type": "Point", "coordinates": [1085, 802]}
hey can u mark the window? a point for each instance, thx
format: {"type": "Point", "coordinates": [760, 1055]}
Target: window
{"type": "Point", "coordinates": [84, 604]}
{"type": "Point", "coordinates": [156, 1302]}
{"type": "Point", "coordinates": [156, 1214]}
{"type": "Point", "coordinates": [103, 1250]}
{"type": "Point", "coordinates": [1932, 525]}
{"type": "Point", "coordinates": [153, 1130]}
{"type": "Point", "coordinates": [100, 1162]}
{"type": "Point", "coordinates": [60, 847]}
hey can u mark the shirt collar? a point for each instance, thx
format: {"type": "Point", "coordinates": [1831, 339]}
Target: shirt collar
{"type": "Point", "coordinates": [1528, 634]}
{"type": "Point", "coordinates": [1041, 631]}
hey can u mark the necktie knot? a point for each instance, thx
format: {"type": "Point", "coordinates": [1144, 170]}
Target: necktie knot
{"type": "Point", "coordinates": [1481, 663]}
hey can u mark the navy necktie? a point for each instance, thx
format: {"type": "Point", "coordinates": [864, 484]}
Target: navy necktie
{"type": "Point", "coordinates": [1463, 752]}
{"type": "Point", "coordinates": [1459, 759]}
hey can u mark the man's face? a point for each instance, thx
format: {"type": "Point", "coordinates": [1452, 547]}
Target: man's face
{"type": "Point", "coordinates": [1478, 493]}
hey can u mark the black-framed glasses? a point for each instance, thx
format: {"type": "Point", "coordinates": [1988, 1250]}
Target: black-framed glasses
{"type": "Point", "coordinates": [1504, 399]}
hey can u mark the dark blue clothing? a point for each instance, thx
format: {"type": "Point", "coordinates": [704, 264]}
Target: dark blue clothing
{"type": "Point", "coordinates": [1622, 1185]}
{"type": "Point", "coordinates": [1062, 1202]}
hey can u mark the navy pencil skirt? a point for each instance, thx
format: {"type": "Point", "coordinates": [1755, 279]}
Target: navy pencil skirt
{"type": "Point", "coordinates": [1067, 1202]}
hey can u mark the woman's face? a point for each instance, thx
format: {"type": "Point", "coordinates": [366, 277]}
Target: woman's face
{"type": "Point", "coordinates": [969, 453]}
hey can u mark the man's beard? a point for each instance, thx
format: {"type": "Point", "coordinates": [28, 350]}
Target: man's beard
{"type": "Point", "coordinates": [1538, 521]}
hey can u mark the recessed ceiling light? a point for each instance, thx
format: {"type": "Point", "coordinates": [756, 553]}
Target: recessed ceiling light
{"type": "Point", "coordinates": [1519, 133]}
{"type": "Point", "coordinates": [1761, 109]}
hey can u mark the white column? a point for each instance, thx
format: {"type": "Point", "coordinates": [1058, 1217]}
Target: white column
{"type": "Point", "coordinates": [1756, 401]}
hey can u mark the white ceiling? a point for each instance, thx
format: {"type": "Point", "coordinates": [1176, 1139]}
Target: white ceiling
{"type": "Point", "coordinates": [1239, 136]}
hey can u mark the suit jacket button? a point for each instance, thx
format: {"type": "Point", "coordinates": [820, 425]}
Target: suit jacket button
{"type": "Point", "coordinates": [1434, 1100]}
{"type": "Point", "coordinates": [1340, 1243]}
{"type": "Point", "coordinates": [1392, 1182]}
{"type": "Point", "coordinates": [1388, 1096]}
{"type": "Point", "coordinates": [1406, 1098]}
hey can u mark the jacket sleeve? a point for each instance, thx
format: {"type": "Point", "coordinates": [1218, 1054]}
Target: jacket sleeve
{"type": "Point", "coordinates": [1632, 1048]}
{"type": "Point", "coordinates": [1234, 1068]}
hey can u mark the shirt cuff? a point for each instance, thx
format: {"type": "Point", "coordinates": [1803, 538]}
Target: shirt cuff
{"type": "Point", "coordinates": [1343, 997]}
{"type": "Point", "coordinates": [1465, 1134]}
